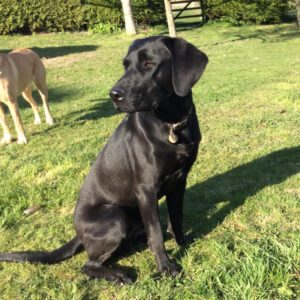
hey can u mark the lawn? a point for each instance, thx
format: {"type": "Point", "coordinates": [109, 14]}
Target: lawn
{"type": "Point", "coordinates": [242, 204]}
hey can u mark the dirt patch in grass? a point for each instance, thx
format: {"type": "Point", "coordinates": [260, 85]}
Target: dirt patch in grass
{"type": "Point", "coordinates": [63, 61]}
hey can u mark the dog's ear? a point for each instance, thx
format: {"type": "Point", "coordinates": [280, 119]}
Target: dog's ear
{"type": "Point", "coordinates": [188, 64]}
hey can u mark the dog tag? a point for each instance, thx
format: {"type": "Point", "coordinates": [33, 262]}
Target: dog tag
{"type": "Point", "coordinates": [173, 138]}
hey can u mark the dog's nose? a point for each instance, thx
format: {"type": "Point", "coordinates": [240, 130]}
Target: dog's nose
{"type": "Point", "coordinates": [117, 94]}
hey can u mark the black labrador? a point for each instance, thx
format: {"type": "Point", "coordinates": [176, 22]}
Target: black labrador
{"type": "Point", "coordinates": [148, 156]}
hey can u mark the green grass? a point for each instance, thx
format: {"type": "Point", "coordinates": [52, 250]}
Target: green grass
{"type": "Point", "coordinates": [242, 201]}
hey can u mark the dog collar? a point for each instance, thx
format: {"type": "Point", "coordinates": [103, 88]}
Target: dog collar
{"type": "Point", "coordinates": [174, 128]}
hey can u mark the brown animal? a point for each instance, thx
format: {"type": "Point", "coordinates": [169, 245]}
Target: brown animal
{"type": "Point", "coordinates": [17, 70]}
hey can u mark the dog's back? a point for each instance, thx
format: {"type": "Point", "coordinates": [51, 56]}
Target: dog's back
{"type": "Point", "coordinates": [24, 64]}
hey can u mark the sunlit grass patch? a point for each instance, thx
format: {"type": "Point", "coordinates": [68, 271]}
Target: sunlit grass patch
{"type": "Point", "coordinates": [242, 207]}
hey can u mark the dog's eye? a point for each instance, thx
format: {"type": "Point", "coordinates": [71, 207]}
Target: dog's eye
{"type": "Point", "coordinates": [148, 64]}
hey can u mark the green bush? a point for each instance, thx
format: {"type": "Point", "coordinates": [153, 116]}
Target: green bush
{"type": "Point", "coordinates": [40, 15]}
{"type": "Point", "coordinates": [148, 12]}
{"type": "Point", "coordinates": [28, 16]}
{"type": "Point", "coordinates": [11, 16]}
{"type": "Point", "coordinates": [102, 12]}
{"type": "Point", "coordinates": [104, 28]}
{"type": "Point", "coordinates": [247, 11]}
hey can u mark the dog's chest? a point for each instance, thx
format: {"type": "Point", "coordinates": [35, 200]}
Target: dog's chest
{"type": "Point", "coordinates": [175, 166]}
{"type": "Point", "coordinates": [3, 89]}
{"type": "Point", "coordinates": [184, 152]}
{"type": "Point", "coordinates": [177, 156]}
{"type": "Point", "coordinates": [178, 159]}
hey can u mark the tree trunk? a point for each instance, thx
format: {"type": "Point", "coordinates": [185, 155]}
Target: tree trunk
{"type": "Point", "coordinates": [170, 19]}
{"type": "Point", "coordinates": [298, 11]}
{"type": "Point", "coordinates": [128, 17]}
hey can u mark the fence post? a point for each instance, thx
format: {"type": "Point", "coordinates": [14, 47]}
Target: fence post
{"type": "Point", "coordinates": [170, 19]}
{"type": "Point", "coordinates": [203, 9]}
{"type": "Point", "coordinates": [298, 11]}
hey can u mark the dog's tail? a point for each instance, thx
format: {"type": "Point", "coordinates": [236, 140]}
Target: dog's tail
{"type": "Point", "coordinates": [66, 251]}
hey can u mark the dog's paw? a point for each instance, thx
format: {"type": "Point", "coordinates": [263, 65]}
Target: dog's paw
{"type": "Point", "coordinates": [49, 121]}
{"type": "Point", "coordinates": [169, 269]}
{"type": "Point", "coordinates": [6, 139]}
{"type": "Point", "coordinates": [114, 276]}
{"type": "Point", "coordinates": [121, 279]}
{"type": "Point", "coordinates": [182, 241]}
{"type": "Point", "coordinates": [185, 241]}
{"type": "Point", "coordinates": [179, 238]}
{"type": "Point", "coordinates": [37, 120]}
{"type": "Point", "coordinates": [22, 140]}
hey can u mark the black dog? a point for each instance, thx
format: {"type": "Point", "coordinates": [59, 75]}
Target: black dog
{"type": "Point", "coordinates": [148, 156]}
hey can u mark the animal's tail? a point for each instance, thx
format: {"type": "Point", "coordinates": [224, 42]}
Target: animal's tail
{"type": "Point", "coordinates": [66, 251]}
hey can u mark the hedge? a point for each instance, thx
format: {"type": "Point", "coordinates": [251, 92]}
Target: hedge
{"type": "Point", "coordinates": [29, 16]}
{"type": "Point", "coordinates": [247, 11]}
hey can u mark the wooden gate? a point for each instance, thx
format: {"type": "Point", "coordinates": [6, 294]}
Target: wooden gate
{"type": "Point", "coordinates": [180, 6]}
{"type": "Point", "coordinates": [188, 5]}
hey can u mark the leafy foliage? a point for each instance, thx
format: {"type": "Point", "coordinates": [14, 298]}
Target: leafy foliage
{"type": "Point", "coordinates": [148, 12]}
{"type": "Point", "coordinates": [104, 28]}
{"type": "Point", "coordinates": [72, 15]}
{"type": "Point", "coordinates": [238, 12]}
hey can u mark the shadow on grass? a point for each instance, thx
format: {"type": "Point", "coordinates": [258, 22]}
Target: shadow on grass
{"type": "Point", "coordinates": [267, 35]}
{"type": "Point", "coordinates": [184, 26]}
{"type": "Point", "coordinates": [50, 52]}
{"type": "Point", "coordinates": [290, 35]}
{"type": "Point", "coordinates": [56, 95]}
{"type": "Point", "coordinates": [103, 108]}
{"type": "Point", "coordinates": [237, 185]}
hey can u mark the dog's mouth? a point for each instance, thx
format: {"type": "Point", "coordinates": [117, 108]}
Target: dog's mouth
{"type": "Point", "coordinates": [135, 106]}
{"type": "Point", "coordinates": [120, 108]}
{"type": "Point", "coordinates": [126, 110]}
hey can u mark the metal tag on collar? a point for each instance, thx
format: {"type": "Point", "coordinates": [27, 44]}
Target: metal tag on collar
{"type": "Point", "coordinates": [173, 137]}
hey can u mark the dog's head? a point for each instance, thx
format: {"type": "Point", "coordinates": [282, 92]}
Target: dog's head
{"type": "Point", "coordinates": [156, 68]}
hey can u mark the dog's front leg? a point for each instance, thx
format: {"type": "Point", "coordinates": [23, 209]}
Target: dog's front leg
{"type": "Point", "coordinates": [149, 211]}
{"type": "Point", "coordinates": [14, 110]}
{"type": "Point", "coordinates": [6, 132]}
{"type": "Point", "coordinates": [174, 197]}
